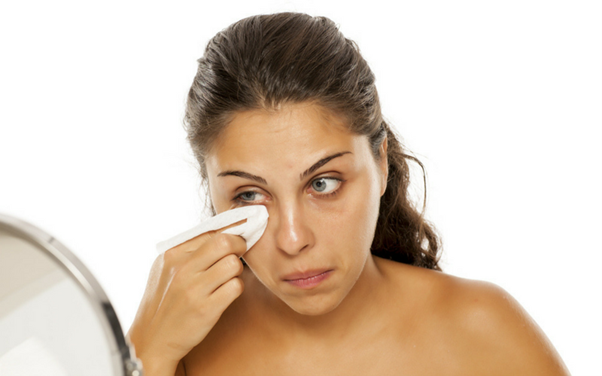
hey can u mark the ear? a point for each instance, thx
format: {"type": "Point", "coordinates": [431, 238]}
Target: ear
{"type": "Point", "coordinates": [384, 166]}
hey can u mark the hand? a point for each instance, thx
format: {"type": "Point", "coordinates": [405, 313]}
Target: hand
{"type": "Point", "coordinates": [188, 289]}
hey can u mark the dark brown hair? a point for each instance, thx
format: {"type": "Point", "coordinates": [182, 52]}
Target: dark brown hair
{"type": "Point", "coordinates": [262, 62]}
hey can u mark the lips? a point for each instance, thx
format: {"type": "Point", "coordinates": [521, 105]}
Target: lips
{"type": "Point", "coordinates": [308, 279]}
{"type": "Point", "coordinates": [304, 275]}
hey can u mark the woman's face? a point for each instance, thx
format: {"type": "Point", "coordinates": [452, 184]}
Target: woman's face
{"type": "Point", "coordinates": [321, 186]}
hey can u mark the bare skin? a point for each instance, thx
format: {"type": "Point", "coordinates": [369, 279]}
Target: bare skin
{"type": "Point", "coordinates": [365, 315]}
{"type": "Point", "coordinates": [429, 323]}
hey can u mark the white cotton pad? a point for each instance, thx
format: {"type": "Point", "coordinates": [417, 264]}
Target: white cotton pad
{"type": "Point", "coordinates": [251, 230]}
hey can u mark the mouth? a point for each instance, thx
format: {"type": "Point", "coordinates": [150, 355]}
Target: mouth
{"type": "Point", "coordinates": [309, 279]}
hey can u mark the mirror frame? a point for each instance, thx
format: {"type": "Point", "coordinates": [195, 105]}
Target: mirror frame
{"type": "Point", "coordinates": [86, 281]}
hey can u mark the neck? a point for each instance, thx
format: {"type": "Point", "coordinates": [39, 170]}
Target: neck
{"type": "Point", "coordinates": [356, 310]}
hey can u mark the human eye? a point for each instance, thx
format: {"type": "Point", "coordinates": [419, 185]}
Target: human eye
{"type": "Point", "coordinates": [246, 197]}
{"type": "Point", "coordinates": [326, 186]}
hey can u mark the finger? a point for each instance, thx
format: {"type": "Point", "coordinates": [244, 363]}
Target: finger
{"type": "Point", "coordinates": [219, 246]}
{"type": "Point", "coordinates": [227, 293]}
{"type": "Point", "coordinates": [219, 273]}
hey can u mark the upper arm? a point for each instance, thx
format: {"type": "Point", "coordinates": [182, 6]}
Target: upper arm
{"type": "Point", "coordinates": [503, 339]}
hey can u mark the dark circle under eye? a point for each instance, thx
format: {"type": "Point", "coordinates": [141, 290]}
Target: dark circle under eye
{"type": "Point", "coordinates": [319, 185]}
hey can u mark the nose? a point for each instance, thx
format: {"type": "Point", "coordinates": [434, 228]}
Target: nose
{"type": "Point", "coordinates": [292, 233]}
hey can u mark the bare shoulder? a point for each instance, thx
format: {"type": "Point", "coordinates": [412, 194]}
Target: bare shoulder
{"type": "Point", "coordinates": [478, 326]}
{"type": "Point", "coordinates": [494, 330]}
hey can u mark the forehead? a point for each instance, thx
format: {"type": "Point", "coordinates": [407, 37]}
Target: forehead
{"type": "Point", "coordinates": [292, 134]}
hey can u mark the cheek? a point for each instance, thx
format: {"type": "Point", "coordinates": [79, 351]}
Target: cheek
{"type": "Point", "coordinates": [262, 259]}
{"type": "Point", "coordinates": [352, 219]}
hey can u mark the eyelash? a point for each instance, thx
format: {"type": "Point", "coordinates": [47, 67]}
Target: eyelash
{"type": "Point", "coordinates": [238, 199]}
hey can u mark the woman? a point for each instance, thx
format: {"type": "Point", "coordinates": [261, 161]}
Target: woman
{"type": "Point", "coordinates": [284, 113]}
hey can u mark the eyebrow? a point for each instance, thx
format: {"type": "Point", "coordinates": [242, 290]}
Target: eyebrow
{"type": "Point", "coordinates": [261, 180]}
{"type": "Point", "coordinates": [245, 175]}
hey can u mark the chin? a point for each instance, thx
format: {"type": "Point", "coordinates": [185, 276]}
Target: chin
{"type": "Point", "coordinates": [314, 306]}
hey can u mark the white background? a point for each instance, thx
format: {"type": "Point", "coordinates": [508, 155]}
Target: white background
{"type": "Point", "coordinates": [501, 100]}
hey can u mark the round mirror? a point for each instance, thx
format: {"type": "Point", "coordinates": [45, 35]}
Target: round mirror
{"type": "Point", "coordinates": [55, 319]}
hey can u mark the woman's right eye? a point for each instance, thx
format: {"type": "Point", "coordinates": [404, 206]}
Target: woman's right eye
{"type": "Point", "coordinates": [246, 197]}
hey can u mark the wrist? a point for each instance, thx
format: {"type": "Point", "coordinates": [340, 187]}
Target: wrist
{"type": "Point", "coordinates": [154, 361]}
